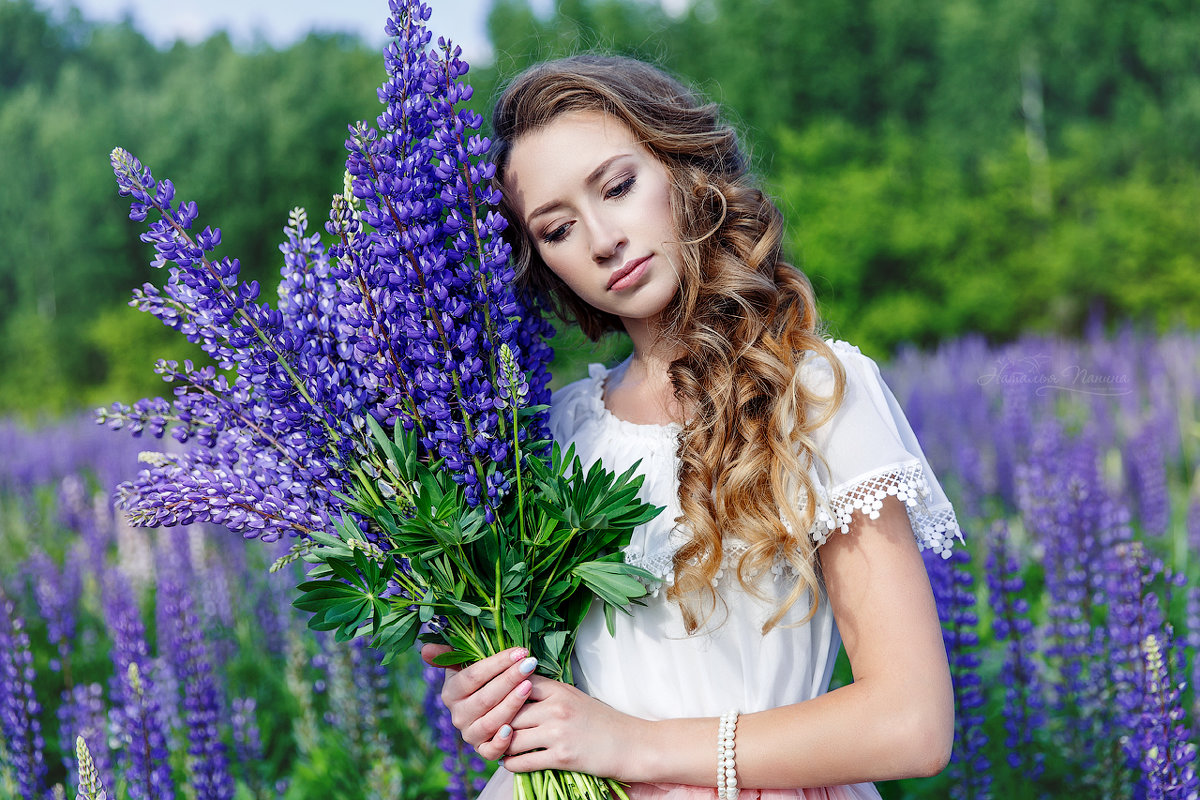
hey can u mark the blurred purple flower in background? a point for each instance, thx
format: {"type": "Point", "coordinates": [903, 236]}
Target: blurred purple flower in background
{"type": "Point", "coordinates": [19, 709]}
{"type": "Point", "coordinates": [952, 589]}
{"type": "Point", "coordinates": [1020, 676]}
{"type": "Point", "coordinates": [137, 714]}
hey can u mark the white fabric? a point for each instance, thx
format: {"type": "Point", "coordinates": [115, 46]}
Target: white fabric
{"type": "Point", "coordinates": [652, 668]}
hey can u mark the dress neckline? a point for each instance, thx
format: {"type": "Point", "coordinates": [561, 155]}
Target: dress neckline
{"type": "Point", "coordinates": [598, 374]}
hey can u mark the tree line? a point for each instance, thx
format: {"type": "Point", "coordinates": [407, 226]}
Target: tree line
{"type": "Point", "coordinates": [944, 165]}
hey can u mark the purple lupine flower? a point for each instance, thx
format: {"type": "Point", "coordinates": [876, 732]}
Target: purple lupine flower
{"type": "Point", "coordinates": [91, 787]}
{"type": "Point", "coordinates": [1016, 420]}
{"type": "Point", "coordinates": [216, 602]}
{"type": "Point", "coordinates": [1019, 674]}
{"type": "Point", "coordinates": [423, 184]}
{"type": "Point", "coordinates": [1166, 757]}
{"type": "Point", "coordinates": [1146, 470]}
{"type": "Point", "coordinates": [89, 514]}
{"type": "Point", "coordinates": [401, 318]}
{"type": "Point", "coordinates": [1075, 525]}
{"type": "Point", "coordinates": [1148, 669]}
{"type": "Point", "coordinates": [272, 606]}
{"type": "Point", "coordinates": [19, 708]}
{"type": "Point", "coordinates": [247, 741]}
{"type": "Point", "coordinates": [137, 713]}
{"type": "Point", "coordinates": [166, 690]}
{"type": "Point", "coordinates": [53, 453]}
{"type": "Point", "coordinates": [372, 682]}
{"type": "Point", "coordinates": [264, 453]}
{"type": "Point", "coordinates": [1134, 614]}
{"type": "Point", "coordinates": [189, 660]}
{"type": "Point", "coordinates": [952, 586]}
{"type": "Point", "coordinates": [83, 714]}
{"type": "Point", "coordinates": [1192, 612]}
{"type": "Point", "coordinates": [57, 593]}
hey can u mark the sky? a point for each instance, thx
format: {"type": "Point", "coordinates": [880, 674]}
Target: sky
{"type": "Point", "coordinates": [282, 22]}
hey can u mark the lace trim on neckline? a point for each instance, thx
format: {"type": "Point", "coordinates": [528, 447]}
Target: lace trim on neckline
{"type": "Point", "coordinates": [595, 397]}
{"type": "Point", "coordinates": [934, 527]}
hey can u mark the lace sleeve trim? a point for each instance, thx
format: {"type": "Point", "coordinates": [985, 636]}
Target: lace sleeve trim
{"type": "Point", "coordinates": [934, 527]}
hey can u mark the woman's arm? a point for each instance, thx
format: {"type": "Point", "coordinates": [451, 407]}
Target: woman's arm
{"type": "Point", "coordinates": [896, 720]}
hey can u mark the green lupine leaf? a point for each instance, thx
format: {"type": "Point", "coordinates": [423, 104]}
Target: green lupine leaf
{"type": "Point", "coordinates": [332, 587]}
{"type": "Point", "coordinates": [317, 622]}
{"type": "Point", "coordinates": [470, 609]}
{"type": "Point", "coordinates": [345, 611]}
{"type": "Point", "coordinates": [452, 659]}
{"type": "Point", "coordinates": [343, 570]}
{"type": "Point", "coordinates": [397, 636]}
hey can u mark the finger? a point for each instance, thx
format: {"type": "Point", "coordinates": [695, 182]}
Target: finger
{"type": "Point", "coordinates": [478, 675]}
{"type": "Point", "coordinates": [486, 727]}
{"type": "Point", "coordinates": [431, 651]}
{"type": "Point", "coordinates": [543, 687]}
{"type": "Point", "coordinates": [467, 708]}
{"type": "Point", "coordinates": [497, 725]}
{"type": "Point", "coordinates": [495, 749]}
{"type": "Point", "coordinates": [532, 761]}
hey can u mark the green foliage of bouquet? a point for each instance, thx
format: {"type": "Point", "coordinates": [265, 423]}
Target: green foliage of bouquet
{"type": "Point", "coordinates": [527, 578]}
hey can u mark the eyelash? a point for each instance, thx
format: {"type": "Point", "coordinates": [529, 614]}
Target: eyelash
{"type": "Point", "coordinates": [615, 193]}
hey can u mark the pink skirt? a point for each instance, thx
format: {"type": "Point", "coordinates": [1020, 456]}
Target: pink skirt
{"type": "Point", "coordinates": [500, 788]}
{"type": "Point", "coordinates": [675, 791]}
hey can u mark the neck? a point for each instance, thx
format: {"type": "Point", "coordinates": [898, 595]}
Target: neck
{"type": "Point", "coordinates": [652, 354]}
{"type": "Point", "coordinates": [644, 381]}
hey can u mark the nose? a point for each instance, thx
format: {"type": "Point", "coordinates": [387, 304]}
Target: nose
{"type": "Point", "coordinates": [607, 238]}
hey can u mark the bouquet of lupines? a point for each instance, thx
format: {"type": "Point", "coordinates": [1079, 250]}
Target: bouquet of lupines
{"type": "Point", "coordinates": [390, 411]}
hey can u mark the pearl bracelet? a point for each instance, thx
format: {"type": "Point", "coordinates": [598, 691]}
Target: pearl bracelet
{"type": "Point", "coordinates": [727, 787]}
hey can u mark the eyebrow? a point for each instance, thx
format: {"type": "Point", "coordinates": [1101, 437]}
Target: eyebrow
{"type": "Point", "coordinates": [592, 177]}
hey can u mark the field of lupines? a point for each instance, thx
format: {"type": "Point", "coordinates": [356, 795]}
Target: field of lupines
{"type": "Point", "coordinates": [1072, 618]}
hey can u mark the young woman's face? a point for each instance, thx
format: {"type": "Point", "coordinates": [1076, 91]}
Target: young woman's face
{"type": "Point", "coordinates": [597, 206]}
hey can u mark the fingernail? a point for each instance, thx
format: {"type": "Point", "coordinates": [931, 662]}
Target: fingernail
{"type": "Point", "coordinates": [505, 731]}
{"type": "Point", "coordinates": [524, 688]}
{"type": "Point", "coordinates": [519, 653]}
{"type": "Point", "coordinates": [501, 762]}
{"type": "Point", "coordinates": [528, 665]}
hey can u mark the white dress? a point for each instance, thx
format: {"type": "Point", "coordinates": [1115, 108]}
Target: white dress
{"type": "Point", "coordinates": [652, 668]}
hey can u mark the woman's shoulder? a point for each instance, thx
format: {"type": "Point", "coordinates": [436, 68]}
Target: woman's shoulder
{"type": "Point", "coordinates": [868, 450]}
{"type": "Point", "coordinates": [817, 371]}
{"type": "Point", "coordinates": [576, 402]}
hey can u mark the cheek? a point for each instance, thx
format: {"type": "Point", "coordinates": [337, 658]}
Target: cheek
{"type": "Point", "coordinates": [663, 214]}
{"type": "Point", "coordinates": [565, 271]}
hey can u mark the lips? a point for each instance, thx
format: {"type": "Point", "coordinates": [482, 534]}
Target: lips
{"type": "Point", "coordinates": [627, 274]}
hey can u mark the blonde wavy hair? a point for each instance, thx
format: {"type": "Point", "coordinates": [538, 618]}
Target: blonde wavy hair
{"type": "Point", "coordinates": [743, 319]}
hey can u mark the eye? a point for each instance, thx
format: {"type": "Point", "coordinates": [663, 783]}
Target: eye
{"type": "Point", "coordinates": [556, 234]}
{"type": "Point", "coordinates": [622, 188]}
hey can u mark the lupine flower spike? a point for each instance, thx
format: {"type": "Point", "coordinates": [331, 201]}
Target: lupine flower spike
{"type": "Point", "coordinates": [90, 787]}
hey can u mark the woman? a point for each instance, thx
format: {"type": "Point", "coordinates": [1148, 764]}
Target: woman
{"type": "Point", "coordinates": [631, 210]}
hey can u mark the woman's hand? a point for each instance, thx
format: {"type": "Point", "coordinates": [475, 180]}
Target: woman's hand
{"type": "Point", "coordinates": [560, 727]}
{"type": "Point", "coordinates": [505, 711]}
{"type": "Point", "coordinates": [484, 697]}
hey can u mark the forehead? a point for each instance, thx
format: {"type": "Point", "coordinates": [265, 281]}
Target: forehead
{"type": "Point", "coordinates": [558, 157]}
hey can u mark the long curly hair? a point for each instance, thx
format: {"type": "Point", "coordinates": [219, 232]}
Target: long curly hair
{"type": "Point", "coordinates": [743, 321]}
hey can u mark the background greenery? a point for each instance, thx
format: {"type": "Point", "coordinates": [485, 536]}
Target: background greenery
{"type": "Point", "coordinates": [945, 165]}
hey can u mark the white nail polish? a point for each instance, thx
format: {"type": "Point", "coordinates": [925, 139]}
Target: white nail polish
{"type": "Point", "coordinates": [528, 665]}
